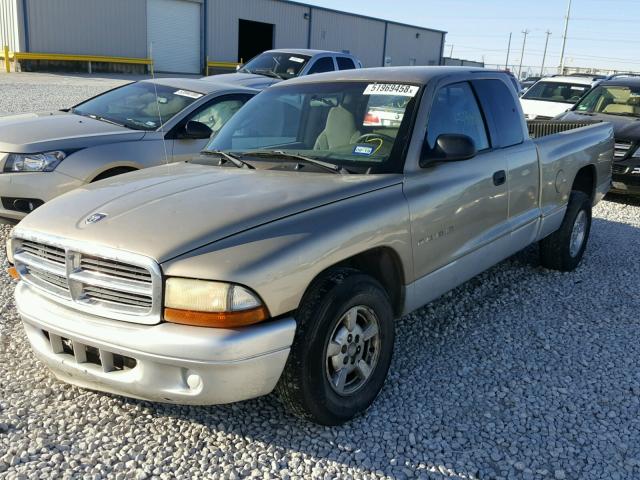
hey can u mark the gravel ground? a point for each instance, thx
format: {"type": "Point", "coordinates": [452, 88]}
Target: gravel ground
{"type": "Point", "coordinates": [520, 373]}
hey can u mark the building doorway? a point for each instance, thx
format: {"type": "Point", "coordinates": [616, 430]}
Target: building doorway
{"type": "Point", "coordinates": [254, 38]}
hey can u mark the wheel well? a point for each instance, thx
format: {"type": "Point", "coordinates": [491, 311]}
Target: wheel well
{"type": "Point", "coordinates": [585, 181]}
{"type": "Point", "coordinates": [384, 265]}
{"type": "Point", "coordinates": [112, 172]}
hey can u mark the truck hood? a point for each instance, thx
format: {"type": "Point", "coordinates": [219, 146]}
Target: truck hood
{"type": "Point", "coordinates": [246, 80]}
{"type": "Point", "coordinates": [46, 131]}
{"type": "Point", "coordinates": [165, 211]}
{"type": "Point", "coordinates": [624, 128]}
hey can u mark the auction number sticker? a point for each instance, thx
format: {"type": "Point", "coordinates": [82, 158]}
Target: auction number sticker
{"type": "Point", "coordinates": [395, 89]}
{"type": "Point", "coordinates": [187, 93]}
{"type": "Point", "coordinates": [296, 59]}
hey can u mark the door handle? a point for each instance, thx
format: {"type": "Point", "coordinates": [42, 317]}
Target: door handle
{"type": "Point", "coordinates": [499, 177]}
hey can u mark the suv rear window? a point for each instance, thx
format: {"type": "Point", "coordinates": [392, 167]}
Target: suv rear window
{"type": "Point", "coordinates": [345, 63]}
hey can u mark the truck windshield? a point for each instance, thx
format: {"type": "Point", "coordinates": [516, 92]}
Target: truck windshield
{"type": "Point", "coordinates": [359, 126]}
{"type": "Point", "coordinates": [556, 92]}
{"type": "Point", "coordinates": [136, 105]}
{"type": "Point", "coordinates": [612, 100]}
{"type": "Point", "coordinates": [276, 64]}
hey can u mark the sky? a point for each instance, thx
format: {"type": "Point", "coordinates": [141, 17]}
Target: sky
{"type": "Point", "coordinates": [602, 33]}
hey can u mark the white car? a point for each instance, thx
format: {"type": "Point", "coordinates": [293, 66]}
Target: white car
{"type": "Point", "coordinates": [552, 96]}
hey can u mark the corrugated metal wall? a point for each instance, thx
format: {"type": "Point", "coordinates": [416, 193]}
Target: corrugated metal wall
{"type": "Point", "coordinates": [9, 26]}
{"type": "Point", "coordinates": [412, 46]}
{"type": "Point", "coordinates": [291, 27]}
{"type": "Point", "coordinates": [459, 62]}
{"type": "Point", "coordinates": [89, 27]}
{"type": "Point", "coordinates": [363, 37]}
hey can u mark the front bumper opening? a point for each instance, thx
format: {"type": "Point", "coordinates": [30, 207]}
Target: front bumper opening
{"type": "Point", "coordinates": [23, 205]}
{"type": "Point", "coordinates": [81, 353]}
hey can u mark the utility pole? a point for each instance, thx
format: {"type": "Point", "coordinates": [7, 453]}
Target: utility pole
{"type": "Point", "coordinates": [451, 51]}
{"type": "Point", "coordinates": [506, 63]}
{"type": "Point", "coordinates": [524, 43]}
{"type": "Point", "coordinates": [564, 37]}
{"type": "Point", "coordinates": [544, 56]}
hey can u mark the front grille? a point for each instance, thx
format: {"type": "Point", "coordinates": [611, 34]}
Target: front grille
{"type": "Point", "coordinates": [116, 285]}
{"type": "Point", "coordinates": [89, 355]}
{"type": "Point", "coordinates": [620, 169]}
{"type": "Point", "coordinates": [115, 269]}
{"type": "Point", "coordinates": [621, 149]}
{"type": "Point", "coordinates": [117, 297]}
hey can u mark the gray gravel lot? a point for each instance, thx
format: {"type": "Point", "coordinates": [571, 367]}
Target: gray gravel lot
{"type": "Point", "coordinates": [520, 373]}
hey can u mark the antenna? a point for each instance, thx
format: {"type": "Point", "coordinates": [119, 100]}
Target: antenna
{"type": "Point", "coordinates": [155, 89]}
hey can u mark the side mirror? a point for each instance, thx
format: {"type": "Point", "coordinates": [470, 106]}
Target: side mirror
{"type": "Point", "coordinates": [450, 147]}
{"type": "Point", "coordinates": [196, 130]}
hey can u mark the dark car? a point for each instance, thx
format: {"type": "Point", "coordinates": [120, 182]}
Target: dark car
{"type": "Point", "coordinates": [617, 101]}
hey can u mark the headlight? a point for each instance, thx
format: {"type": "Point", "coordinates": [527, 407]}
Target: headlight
{"type": "Point", "coordinates": [33, 162]}
{"type": "Point", "coordinates": [636, 154]}
{"type": "Point", "coordinates": [211, 304]}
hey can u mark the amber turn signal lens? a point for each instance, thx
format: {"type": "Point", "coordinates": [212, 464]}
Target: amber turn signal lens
{"type": "Point", "coordinates": [13, 273]}
{"type": "Point", "coordinates": [216, 319]}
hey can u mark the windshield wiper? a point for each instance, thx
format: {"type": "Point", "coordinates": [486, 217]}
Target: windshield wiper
{"type": "Point", "coordinates": [103, 119]}
{"type": "Point", "coordinates": [268, 73]}
{"type": "Point", "coordinates": [227, 157]}
{"type": "Point", "coordinates": [332, 167]}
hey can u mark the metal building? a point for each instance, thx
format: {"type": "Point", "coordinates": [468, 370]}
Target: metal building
{"type": "Point", "coordinates": [182, 35]}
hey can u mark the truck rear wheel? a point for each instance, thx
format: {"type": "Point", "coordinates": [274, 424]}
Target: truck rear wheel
{"type": "Point", "coordinates": [563, 249]}
{"type": "Point", "coordinates": [342, 349]}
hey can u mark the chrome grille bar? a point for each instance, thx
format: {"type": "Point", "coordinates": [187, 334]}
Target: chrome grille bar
{"type": "Point", "coordinates": [621, 149]}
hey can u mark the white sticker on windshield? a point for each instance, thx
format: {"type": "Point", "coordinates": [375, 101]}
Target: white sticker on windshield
{"type": "Point", "coordinates": [296, 59]}
{"type": "Point", "coordinates": [187, 93]}
{"type": "Point", "coordinates": [395, 89]}
{"type": "Point", "coordinates": [578, 88]}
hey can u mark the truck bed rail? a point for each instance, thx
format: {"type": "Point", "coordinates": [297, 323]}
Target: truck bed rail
{"type": "Point", "coordinates": [542, 128]}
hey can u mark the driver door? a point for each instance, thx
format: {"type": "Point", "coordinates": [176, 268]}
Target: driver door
{"type": "Point", "coordinates": [214, 114]}
{"type": "Point", "coordinates": [456, 207]}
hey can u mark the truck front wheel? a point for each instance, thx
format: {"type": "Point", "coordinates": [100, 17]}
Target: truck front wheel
{"type": "Point", "coordinates": [564, 248]}
{"type": "Point", "coordinates": [342, 349]}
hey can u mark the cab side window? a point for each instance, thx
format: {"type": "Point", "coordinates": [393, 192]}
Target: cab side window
{"type": "Point", "coordinates": [498, 102]}
{"type": "Point", "coordinates": [455, 110]}
{"type": "Point", "coordinates": [324, 64]}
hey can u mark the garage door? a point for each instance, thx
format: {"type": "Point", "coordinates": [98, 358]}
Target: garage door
{"type": "Point", "coordinates": [174, 33]}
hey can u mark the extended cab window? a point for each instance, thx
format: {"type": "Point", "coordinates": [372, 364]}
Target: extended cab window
{"type": "Point", "coordinates": [345, 63]}
{"type": "Point", "coordinates": [455, 110]}
{"type": "Point", "coordinates": [322, 65]}
{"type": "Point", "coordinates": [499, 104]}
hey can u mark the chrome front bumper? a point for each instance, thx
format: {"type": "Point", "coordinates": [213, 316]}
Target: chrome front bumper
{"type": "Point", "coordinates": [162, 363]}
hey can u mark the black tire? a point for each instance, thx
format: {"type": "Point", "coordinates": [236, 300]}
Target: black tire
{"type": "Point", "coordinates": [304, 386]}
{"type": "Point", "coordinates": [113, 172]}
{"type": "Point", "coordinates": [555, 250]}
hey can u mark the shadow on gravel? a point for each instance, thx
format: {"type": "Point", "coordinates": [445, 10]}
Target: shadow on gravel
{"type": "Point", "coordinates": [632, 200]}
{"type": "Point", "coordinates": [520, 371]}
